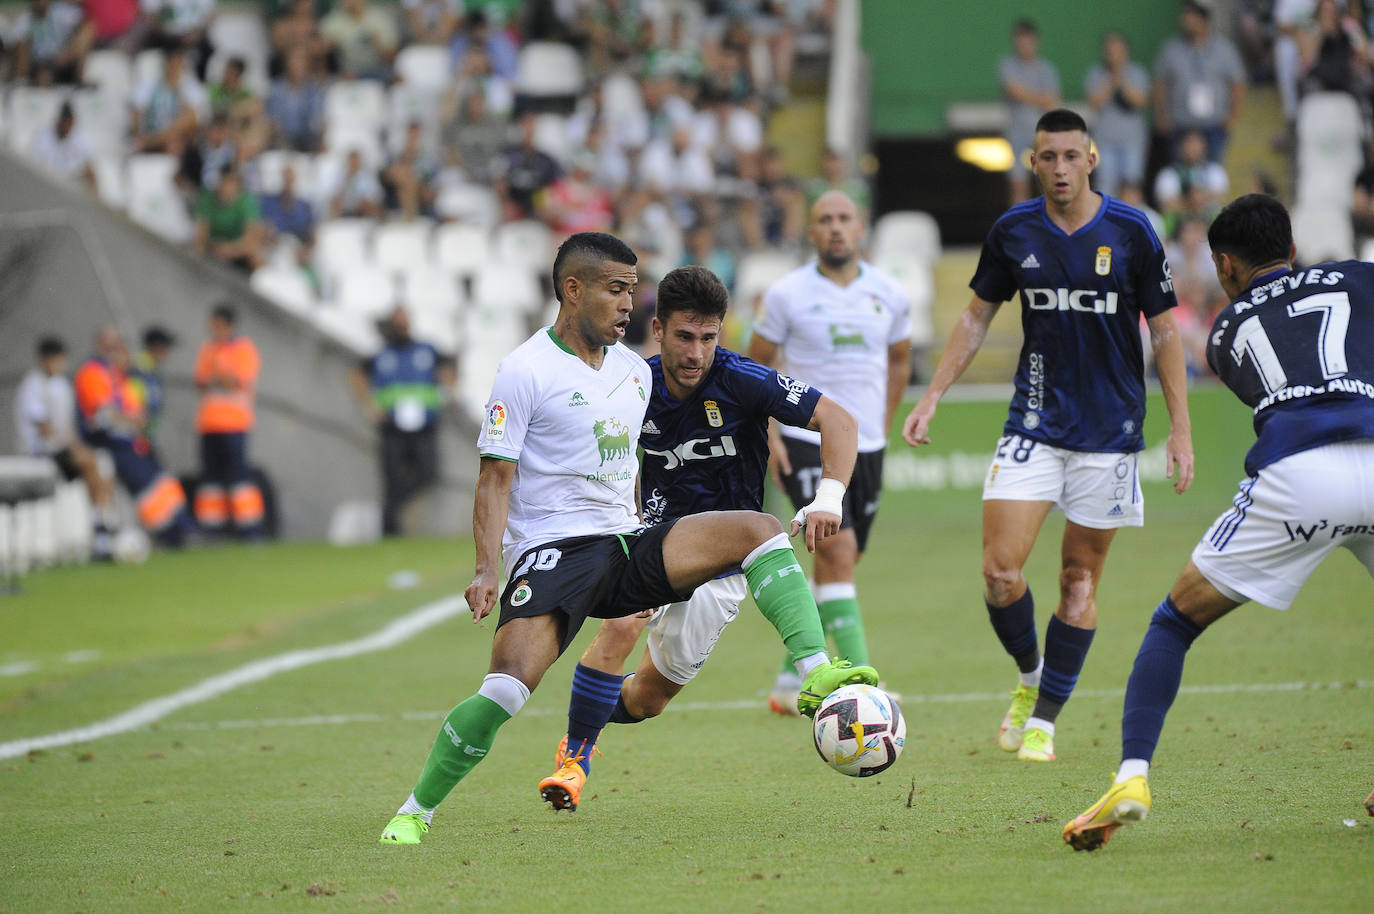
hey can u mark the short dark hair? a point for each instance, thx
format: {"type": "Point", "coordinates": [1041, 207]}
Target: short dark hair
{"type": "Point", "coordinates": [1254, 229]}
{"type": "Point", "coordinates": [156, 336]}
{"type": "Point", "coordinates": [1061, 120]}
{"type": "Point", "coordinates": [694, 289]}
{"type": "Point", "coordinates": [225, 312]}
{"type": "Point", "coordinates": [578, 251]}
{"type": "Point", "coordinates": [1025, 26]}
{"type": "Point", "coordinates": [49, 346]}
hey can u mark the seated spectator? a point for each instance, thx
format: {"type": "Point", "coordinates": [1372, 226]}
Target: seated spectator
{"type": "Point", "coordinates": [51, 41]}
{"type": "Point", "coordinates": [183, 24]}
{"type": "Point", "coordinates": [575, 202]}
{"type": "Point", "coordinates": [295, 105]}
{"type": "Point", "coordinates": [1334, 53]}
{"type": "Point", "coordinates": [431, 21]}
{"type": "Point", "coordinates": [45, 412]}
{"type": "Point", "coordinates": [472, 136]}
{"type": "Point", "coordinates": [476, 32]}
{"type": "Point", "coordinates": [62, 149]}
{"type": "Point", "coordinates": [167, 110]}
{"type": "Point", "coordinates": [615, 34]}
{"type": "Point", "coordinates": [476, 74]}
{"type": "Point", "coordinates": [299, 28]}
{"type": "Point", "coordinates": [204, 161]}
{"type": "Point", "coordinates": [523, 170]}
{"type": "Point", "coordinates": [230, 92]}
{"type": "Point", "coordinates": [117, 24]}
{"type": "Point", "coordinates": [835, 175]}
{"type": "Point", "coordinates": [704, 250]}
{"type": "Point", "coordinates": [359, 193]}
{"type": "Point", "coordinates": [363, 37]}
{"type": "Point", "coordinates": [775, 217]}
{"type": "Point", "coordinates": [1191, 185]}
{"type": "Point", "coordinates": [229, 223]}
{"type": "Point", "coordinates": [1200, 296]}
{"type": "Point", "coordinates": [408, 179]}
{"type": "Point", "coordinates": [285, 213]}
{"type": "Point", "coordinates": [678, 55]}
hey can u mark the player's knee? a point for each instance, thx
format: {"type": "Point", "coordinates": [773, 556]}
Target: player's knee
{"type": "Point", "coordinates": [1003, 582]}
{"type": "Point", "coordinates": [1076, 589]}
{"type": "Point", "coordinates": [641, 699]}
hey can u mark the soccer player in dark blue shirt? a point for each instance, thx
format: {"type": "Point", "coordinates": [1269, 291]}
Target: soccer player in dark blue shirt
{"type": "Point", "coordinates": [705, 448]}
{"type": "Point", "coordinates": [1086, 267]}
{"type": "Point", "coordinates": [1297, 347]}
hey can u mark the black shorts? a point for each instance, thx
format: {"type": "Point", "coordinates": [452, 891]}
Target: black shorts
{"type": "Point", "coordinates": [67, 464]}
{"type": "Point", "coordinates": [601, 577]}
{"type": "Point", "coordinates": [860, 499]}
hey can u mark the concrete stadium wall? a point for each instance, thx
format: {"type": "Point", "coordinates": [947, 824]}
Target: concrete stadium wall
{"type": "Point", "coordinates": [69, 265]}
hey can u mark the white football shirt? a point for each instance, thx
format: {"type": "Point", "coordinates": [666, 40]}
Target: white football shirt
{"type": "Point", "coordinates": [573, 432]}
{"type": "Point", "coordinates": [836, 338]}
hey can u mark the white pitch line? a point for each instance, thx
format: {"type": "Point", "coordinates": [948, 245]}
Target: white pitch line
{"type": "Point", "coordinates": [755, 704]}
{"type": "Point", "coordinates": [390, 635]}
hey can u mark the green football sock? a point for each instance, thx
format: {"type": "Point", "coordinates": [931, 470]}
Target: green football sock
{"type": "Point", "coordinates": [779, 587]}
{"type": "Point", "coordinates": [844, 623]}
{"type": "Point", "coordinates": [467, 734]}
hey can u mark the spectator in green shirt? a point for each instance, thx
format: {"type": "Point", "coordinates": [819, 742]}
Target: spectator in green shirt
{"type": "Point", "coordinates": [229, 223]}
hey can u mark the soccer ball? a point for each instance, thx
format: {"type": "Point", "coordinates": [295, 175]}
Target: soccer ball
{"type": "Point", "coordinates": [859, 730]}
{"type": "Point", "coordinates": [131, 546]}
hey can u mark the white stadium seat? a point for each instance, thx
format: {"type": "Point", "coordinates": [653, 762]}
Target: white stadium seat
{"type": "Point", "coordinates": [111, 72]}
{"type": "Point", "coordinates": [355, 103]}
{"type": "Point", "coordinates": [364, 289]}
{"type": "Point", "coordinates": [461, 249]}
{"type": "Point", "coordinates": [548, 68]}
{"type": "Point", "coordinates": [424, 67]}
{"type": "Point", "coordinates": [30, 110]}
{"type": "Point", "coordinates": [356, 331]}
{"type": "Point", "coordinates": [272, 164]}
{"type": "Point", "coordinates": [148, 66]}
{"type": "Point", "coordinates": [905, 234]}
{"type": "Point", "coordinates": [506, 286]}
{"type": "Point", "coordinates": [1330, 149]}
{"type": "Point", "coordinates": [428, 289]}
{"type": "Point", "coordinates": [103, 118]}
{"type": "Point", "coordinates": [405, 106]}
{"type": "Point", "coordinates": [110, 180]}
{"type": "Point", "coordinates": [757, 271]}
{"type": "Point", "coordinates": [285, 285]}
{"type": "Point", "coordinates": [154, 201]}
{"type": "Point", "coordinates": [402, 246]}
{"type": "Point", "coordinates": [523, 241]}
{"type": "Point", "coordinates": [474, 204]}
{"type": "Point", "coordinates": [1322, 232]}
{"type": "Point", "coordinates": [340, 244]}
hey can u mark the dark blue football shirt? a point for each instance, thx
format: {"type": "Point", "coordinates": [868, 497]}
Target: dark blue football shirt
{"type": "Point", "coordinates": [1080, 381]}
{"type": "Point", "coordinates": [1298, 349]}
{"type": "Point", "coordinates": [710, 451]}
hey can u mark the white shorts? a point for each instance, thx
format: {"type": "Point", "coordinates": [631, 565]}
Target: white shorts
{"type": "Point", "coordinates": [1093, 488]}
{"type": "Point", "coordinates": [1287, 519]}
{"type": "Point", "coordinates": [682, 635]}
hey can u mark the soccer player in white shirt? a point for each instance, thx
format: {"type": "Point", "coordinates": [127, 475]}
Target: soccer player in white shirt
{"type": "Point", "coordinates": [841, 325]}
{"type": "Point", "coordinates": [556, 493]}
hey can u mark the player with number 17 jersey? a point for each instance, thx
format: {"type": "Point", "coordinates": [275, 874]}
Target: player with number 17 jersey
{"type": "Point", "coordinates": [710, 451]}
{"type": "Point", "coordinates": [1080, 378]}
{"type": "Point", "coordinates": [1299, 351]}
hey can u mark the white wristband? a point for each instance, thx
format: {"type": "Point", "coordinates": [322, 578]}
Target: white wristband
{"type": "Point", "coordinates": [829, 499]}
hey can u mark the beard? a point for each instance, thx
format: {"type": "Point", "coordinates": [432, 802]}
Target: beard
{"type": "Point", "coordinates": [834, 261]}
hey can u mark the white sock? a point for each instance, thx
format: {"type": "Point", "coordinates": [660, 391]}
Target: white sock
{"type": "Point", "coordinates": [1031, 680]}
{"type": "Point", "coordinates": [507, 691]}
{"type": "Point", "coordinates": [1036, 723]}
{"type": "Point", "coordinates": [806, 664]}
{"type": "Point", "coordinates": [412, 807]}
{"type": "Point", "coordinates": [787, 682]}
{"type": "Point", "coordinates": [1130, 768]}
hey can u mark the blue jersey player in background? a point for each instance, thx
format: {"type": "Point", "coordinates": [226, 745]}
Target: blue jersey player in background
{"type": "Point", "coordinates": [1298, 349]}
{"type": "Point", "coordinates": [705, 448]}
{"type": "Point", "coordinates": [1086, 267]}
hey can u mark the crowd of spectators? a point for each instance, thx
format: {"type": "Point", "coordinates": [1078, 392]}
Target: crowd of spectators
{"type": "Point", "coordinates": [663, 140]}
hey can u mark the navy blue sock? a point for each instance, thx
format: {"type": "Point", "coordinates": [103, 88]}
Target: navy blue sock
{"type": "Point", "coordinates": [1015, 627]}
{"type": "Point", "coordinates": [1155, 678]}
{"type": "Point", "coordinates": [1066, 647]}
{"type": "Point", "coordinates": [594, 695]}
{"type": "Point", "coordinates": [621, 714]}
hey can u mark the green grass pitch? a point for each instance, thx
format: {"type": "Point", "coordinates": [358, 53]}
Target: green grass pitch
{"type": "Point", "coordinates": [271, 795]}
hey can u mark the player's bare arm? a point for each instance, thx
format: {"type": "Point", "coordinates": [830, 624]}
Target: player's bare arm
{"type": "Point", "coordinates": [839, 450]}
{"type": "Point", "coordinates": [964, 343]}
{"type": "Point", "coordinates": [1173, 379]}
{"type": "Point", "coordinates": [765, 352]}
{"type": "Point", "coordinates": [491, 504]}
{"type": "Point", "coordinates": [898, 370]}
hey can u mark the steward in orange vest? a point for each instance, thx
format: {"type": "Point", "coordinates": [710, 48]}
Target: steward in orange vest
{"type": "Point", "coordinates": [226, 375]}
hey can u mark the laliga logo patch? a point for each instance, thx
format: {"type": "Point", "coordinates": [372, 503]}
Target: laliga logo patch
{"type": "Point", "coordinates": [713, 416]}
{"type": "Point", "coordinates": [496, 421]}
{"type": "Point", "coordinates": [521, 595]}
{"type": "Point", "coordinates": [1103, 266]}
